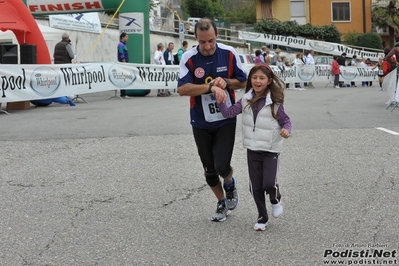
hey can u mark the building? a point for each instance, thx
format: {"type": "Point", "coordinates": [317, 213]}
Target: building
{"type": "Point", "coordinates": [346, 15]}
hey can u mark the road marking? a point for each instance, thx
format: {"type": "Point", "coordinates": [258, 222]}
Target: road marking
{"type": "Point", "coordinates": [388, 131]}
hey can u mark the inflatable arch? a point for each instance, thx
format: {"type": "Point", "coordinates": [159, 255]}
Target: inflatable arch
{"type": "Point", "coordinates": [16, 15]}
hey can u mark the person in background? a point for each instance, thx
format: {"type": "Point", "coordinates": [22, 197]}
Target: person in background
{"type": "Point", "coordinates": [274, 59]}
{"type": "Point", "coordinates": [123, 56]}
{"type": "Point", "coordinates": [209, 72]}
{"type": "Point", "coordinates": [342, 62]}
{"type": "Point", "coordinates": [159, 60]}
{"type": "Point", "coordinates": [354, 64]}
{"type": "Point", "coordinates": [264, 53]}
{"type": "Point", "coordinates": [363, 64]}
{"type": "Point", "coordinates": [310, 61]}
{"type": "Point", "coordinates": [181, 50]}
{"type": "Point", "coordinates": [298, 62]}
{"type": "Point", "coordinates": [369, 64]}
{"type": "Point", "coordinates": [63, 53]}
{"type": "Point", "coordinates": [380, 71]}
{"type": "Point", "coordinates": [264, 126]}
{"type": "Point", "coordinates": [336, 71]}
{"type": "Point", "coordinates": [169, 60]}
{"type": "Point", "coordinates": [258, 57]}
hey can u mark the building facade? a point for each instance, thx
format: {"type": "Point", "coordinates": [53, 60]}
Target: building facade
{"type": "Point", "coordinates": [346, 15]}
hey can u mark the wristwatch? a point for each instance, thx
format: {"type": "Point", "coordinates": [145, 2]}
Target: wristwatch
{"type": "Point", "coordinates": [210, 86]}
{"type": "Point", "coordinates": [227, 82]}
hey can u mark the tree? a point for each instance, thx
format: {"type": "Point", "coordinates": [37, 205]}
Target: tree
{"type": "Point", "coordinates": [204, 8]}
{"type": "Point", "coordinates": [385, 15]}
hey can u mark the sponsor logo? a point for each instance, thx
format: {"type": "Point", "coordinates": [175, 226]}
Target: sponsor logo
{"type": "Point", "coordinates": [130, 21]}
{"type": "Point", "coordinates": [322, 46]}
{"type": "Point", "coordinates": [45, 81]}
{"type": "Point", "coordinates": [221, 69]}
{"type": "Point", "coordinates": [199, 72]}
{"type": "Point", "coordinates": [306, 73]}
{"type": "Point", "coordinates": [349, 73]}
{"type": "Point", "coordinates": [121, 76]}
{"type": "Point", "coordinates": [248, 35]}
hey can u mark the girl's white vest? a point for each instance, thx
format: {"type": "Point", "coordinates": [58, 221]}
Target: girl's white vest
{"type": "Point", "coordinates": [265, 134]}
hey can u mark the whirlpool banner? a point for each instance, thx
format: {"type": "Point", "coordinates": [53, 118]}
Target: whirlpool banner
{"type": "Point", "coordinates": [33, 82]}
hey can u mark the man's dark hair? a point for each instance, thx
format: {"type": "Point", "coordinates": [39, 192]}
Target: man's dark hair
{"type": "Point", "coordinates": [205, 24]}
{"type": "Point", "coordinates": [123, 34]}
{"type": "Point", "coordinates": [184, 43]}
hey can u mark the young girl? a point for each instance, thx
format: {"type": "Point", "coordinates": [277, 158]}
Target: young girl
{"type": "Point", "coordinates": [264, 125]}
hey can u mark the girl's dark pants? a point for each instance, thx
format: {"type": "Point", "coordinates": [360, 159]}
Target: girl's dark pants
{"type": "Point", "coordinates": [263, 169]}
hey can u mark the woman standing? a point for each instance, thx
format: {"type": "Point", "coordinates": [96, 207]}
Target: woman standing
{"type": "Point", "coordinates": [336, 71]}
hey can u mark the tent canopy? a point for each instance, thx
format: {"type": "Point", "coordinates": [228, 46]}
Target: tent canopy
{"type": "Point", "coordinates": [49, 34]}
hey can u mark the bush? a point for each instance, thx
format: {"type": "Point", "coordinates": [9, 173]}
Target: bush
{"type": "Point", "coordinates": [370, 40]}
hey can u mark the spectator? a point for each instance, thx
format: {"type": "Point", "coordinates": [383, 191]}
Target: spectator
{"type": "Point", "coordinates": [353, 63]}
{"type": "Point", "coordinates": [159, 60]}
{"type": "Point", "coordinates": [298, 62]}
{"type": "Point", "coordinates": [123, 56]}
{"type": "Point", "coordinates": [181, 51]}
{"type": "Point", "coordinates": [363, 64]}
{"type": "Point", "coordinates": [274, 59]}
{"type": "Point", "coordinates": [336, 71]}
{"type": "Point", "coordinates": [63, 53]}
{"type": "Point", "coordinates": [369, 64]}
{"type": "Point", "coordinates": [258, 57]}
{"type": "Point", "coordinates": [310, 61]}
{"type": "Point", "coordinates": [264, 53]}
{"type": "Point", "coordinates": [169, 60]}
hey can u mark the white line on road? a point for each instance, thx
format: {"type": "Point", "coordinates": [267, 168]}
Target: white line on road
{"type": "Point", "coordinates": [388, 131]}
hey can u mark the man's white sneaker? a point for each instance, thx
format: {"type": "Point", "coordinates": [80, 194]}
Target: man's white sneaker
{"type": "Point", "coordinates": [337, 87]}
{"type": "Point", "coordinates": [277, 210]}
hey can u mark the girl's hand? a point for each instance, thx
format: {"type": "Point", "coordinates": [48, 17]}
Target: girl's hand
{"type": "Point", "coordinates": [284, 133]}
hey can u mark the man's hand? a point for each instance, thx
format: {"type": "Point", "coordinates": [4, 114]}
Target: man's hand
{"type": "Point", "coordinates": [220, 94]}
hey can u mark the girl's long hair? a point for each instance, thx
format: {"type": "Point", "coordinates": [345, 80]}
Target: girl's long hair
{"type": "Point", "coordinates": [276, 88]}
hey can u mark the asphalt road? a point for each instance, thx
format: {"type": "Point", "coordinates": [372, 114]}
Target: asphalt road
{"type": "Point", "coordinates": [119, 182]}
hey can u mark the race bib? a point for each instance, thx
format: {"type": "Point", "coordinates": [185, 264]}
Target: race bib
{"type": "Point", "coordinates": [380, 72]}
{"type": "Point", "coordinates": [211, 108]}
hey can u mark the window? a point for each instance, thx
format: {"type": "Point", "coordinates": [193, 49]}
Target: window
{"type": "Point", "coordinates": [341, 11]}
{"type": "Point", "coordinates": [297, 8]}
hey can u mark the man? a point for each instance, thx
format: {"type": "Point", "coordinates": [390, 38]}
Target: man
{"type": "Point", "coordinates": [181, 51]}
{"type": "Point", "coordinates": [123, 55]}
{"type": "Point", "coordinates": [208, 72]}
{"type": "Point", "coordinates": [159, 60]}
{"type": "Point", "coordinates": [63, 53]}
{"type": "Point", "coordinates": [341, 59]}
{"type": "Point", "coordinates": [310, 61]}
{"type": "Point", "coordinates": [354, 64]}
{"type": "Point", "coordinates": [169, 59]}
{"type": "Point", "coordinates": [168, 54]}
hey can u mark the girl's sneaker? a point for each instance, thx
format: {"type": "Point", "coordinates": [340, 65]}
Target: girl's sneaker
{"type": "Point", "coordinates": [260, 224]}
{"type": "Point", "coordinates": [277, 209]}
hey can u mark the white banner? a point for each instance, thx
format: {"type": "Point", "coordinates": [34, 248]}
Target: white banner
{"type": "Point", "coordinates": [88, 22]}
{"type": "Point", "coordinates": [306, 44]}
{"type": "Point", "coordinates": [32, 82]}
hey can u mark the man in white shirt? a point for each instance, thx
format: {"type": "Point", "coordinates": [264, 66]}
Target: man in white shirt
{"type": "Point", "coordinates": [310, 61]}
{"type": "Point", "coordinates": [159, 60]}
